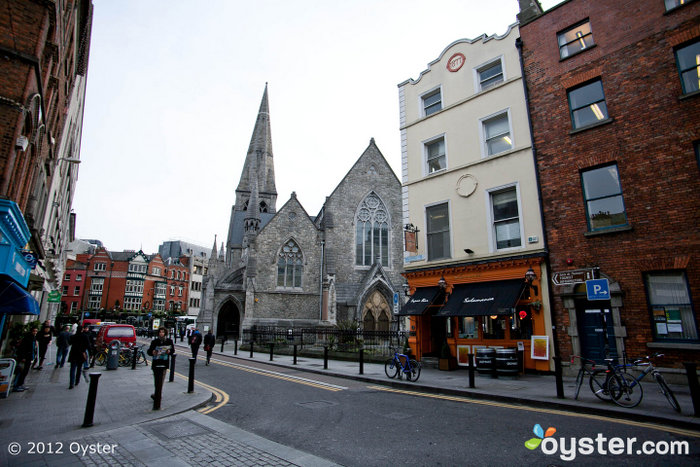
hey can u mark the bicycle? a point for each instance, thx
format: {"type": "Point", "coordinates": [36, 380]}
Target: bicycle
{"type": "Point", "coordinates": [628, 389]}
{"type": "Point", "coordinates": [395, 366]}
{"type": "Point", "coordinates": [126, 355]}
{"type": "Point", "coordinates": [597, 378]}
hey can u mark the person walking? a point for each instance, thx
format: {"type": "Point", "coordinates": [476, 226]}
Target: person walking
{"type": "Point", "coordinates": [26, 353]}
{"type": "Point", "coordinates": [78, 354]}
{"type": "Point", "coordinates": [161, 349]}
{"type": "Point", "coordinates": [195, 342]}
{"type": "Point", "coordinates": [62, 345]}
{"type": "Point", "coordinates": [44, 339]}
{"type": "Point", "coordinates": [209, 342]}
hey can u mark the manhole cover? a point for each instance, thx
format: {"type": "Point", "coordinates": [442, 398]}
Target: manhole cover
{"type": "Point", "coordinates": [178, 429]}
{"type": "Point", "coordinates": [316, 404]}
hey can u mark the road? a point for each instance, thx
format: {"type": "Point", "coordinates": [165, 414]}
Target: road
{"type": "Point", "coordinates": [360, 424]}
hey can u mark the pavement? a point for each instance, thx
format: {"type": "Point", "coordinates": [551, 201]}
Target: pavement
{"type": "Point", "coordinates": [45, 422]}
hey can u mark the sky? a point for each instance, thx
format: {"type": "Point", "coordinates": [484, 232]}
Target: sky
{"type": "Point", "coordinates": [174, 87]}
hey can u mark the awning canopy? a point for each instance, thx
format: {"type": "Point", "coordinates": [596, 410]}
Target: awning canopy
{"type": "Point", "coordinates": [419, 301]}
{"type": "Point", "coordinates": [483, 298]}
{"type": "Point", "coordinates": [14, 300]}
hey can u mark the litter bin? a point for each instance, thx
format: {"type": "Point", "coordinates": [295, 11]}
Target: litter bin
{"type": "Point", "coordinates": [485, 360]}
{"type": "Point", "coordinates": [113, 355]}
{"type": "Point", "coordinates": [507, 362]}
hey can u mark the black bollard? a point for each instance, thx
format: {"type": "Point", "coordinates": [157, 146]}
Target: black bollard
{"type": "Point", "coordinates": [158, 377]}
{"type": "Point", "coordinates": [691, 370]}
{"type": "Point", "coordinates": [558, 377]}
{"type": "Point", "coordinates": [251, 349]}
{"type": "Point", "coordinates": [235, 346]}
{"type": "Point", "coordinates": [362, 361]}
{"type": "Point", "coordinates": [190, 380]}
{"type": "Point", "coordinates": [92, 398]}
{"type": "Point", "coordinates": [471, 370]}
{"type": "Point", "coordinates": [223, 339]}
{"type": "Point", "coordinates": [325, 358]}
{"type": "Point", "coordinates": [295, 354]}
{"type": "Point", "coordinates": [272, 348]}
{"type": "Point", "coordinates": [171, 375]}
{"type": "Point", "coordinates": [134, 356]}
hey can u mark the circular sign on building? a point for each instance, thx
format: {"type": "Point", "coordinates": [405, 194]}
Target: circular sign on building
{"type": "Point", "coordinates": [455, 62]}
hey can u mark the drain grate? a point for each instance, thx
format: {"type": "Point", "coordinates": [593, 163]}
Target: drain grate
{"type": "Point", "coordinates": [178, 429]}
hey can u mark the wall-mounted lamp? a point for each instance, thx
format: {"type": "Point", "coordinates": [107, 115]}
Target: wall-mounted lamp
{"type": "Point", "coordinates": [530, 276]}
{"type": "Point", "coordinates": [22, 143]}
{"type": "Point", "coordinates": [442, 283]}
{"type": "Point", "coordinates": [406, 288]}
{"type": "Point", "coordinates": [468, 251]}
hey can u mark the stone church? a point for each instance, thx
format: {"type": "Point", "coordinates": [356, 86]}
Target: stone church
{"type": "Point", "coordinates": [283, 267]}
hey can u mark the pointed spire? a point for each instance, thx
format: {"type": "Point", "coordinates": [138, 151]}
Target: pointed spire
{"type": "Point", "coordinates": [213, 249]}
{"type": "Point", "coordinates": [221, 252]}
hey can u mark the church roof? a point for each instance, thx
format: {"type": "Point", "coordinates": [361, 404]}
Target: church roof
{"type": "Point", "coordinates": [237, 225]}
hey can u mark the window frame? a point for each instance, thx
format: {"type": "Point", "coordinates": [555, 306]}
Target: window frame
{"type": "Point", "coordinates": [100, 267]}
{"type": "Point", "coordinates": [447, 233]}
{"type": "Point", "coordinates": [676, 5]}
{"type": "Point", "coordinates": [379, 237]}
{"type": "Point", "coordinates": [487, 66]}
{"type": "Point", "coordinates": [493, 235]}
{"type": "Point", "coordinates": [426, 155]}
{"type": "Point", "coordinates": [484, 135]}
{"type": "Point", "coordinates": [426, 95]}
{"type": "Point", "coordinates": [572, 111]}
{"type": "Point", "coordinates": [586, 199]}
{"type": "Point", "coordinates": [297, 269]}
{"type": "Point", "coordinates": [689, 305]}
{"type": "Point", "coordinates": [684, 46]}
{"type": "Point", "coordinates": [561, 35]}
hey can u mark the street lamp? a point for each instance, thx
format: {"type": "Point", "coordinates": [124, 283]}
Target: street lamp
{"type": "Point", "coordinates": [530, 276]}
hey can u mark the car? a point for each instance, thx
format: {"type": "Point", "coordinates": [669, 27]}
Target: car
{"type": "Point", "coordinates": [124, 333]}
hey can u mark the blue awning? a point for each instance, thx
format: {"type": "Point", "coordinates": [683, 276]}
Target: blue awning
{"type": "Point", "coordinates": [14, 300]}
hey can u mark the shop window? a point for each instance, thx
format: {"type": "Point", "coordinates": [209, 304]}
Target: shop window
{"type": "Point", "coordinates": [671, 309]}
{"type": "Point", "coordinates": [494, 326]}
{"type": "Point", "coordinates": [521, 323]}
{"type": "Point", "coordinates": [468, 328]}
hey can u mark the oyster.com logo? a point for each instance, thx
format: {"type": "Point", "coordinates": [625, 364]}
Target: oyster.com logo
{"type": "Point", "coordinates": [534, 443]}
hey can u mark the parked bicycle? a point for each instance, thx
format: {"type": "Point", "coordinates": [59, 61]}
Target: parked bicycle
{"type": "Point", "coordinates": [627, 390]}
{"type": "Point", "coordinates": [126, 356]}
{"type": "Point", "coordinates": [400, 364]}
{"type": "Point", "coordinates": [597, 377]}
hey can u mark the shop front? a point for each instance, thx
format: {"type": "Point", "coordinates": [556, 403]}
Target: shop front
{"type": "Point", "coordinates": [499, 305]}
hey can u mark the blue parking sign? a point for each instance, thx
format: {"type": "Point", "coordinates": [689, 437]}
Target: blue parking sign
{"type": "Point", "coordinates": [598, 289]}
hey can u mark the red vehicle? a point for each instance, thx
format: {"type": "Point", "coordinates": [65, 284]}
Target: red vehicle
{"type": "Point", "coordinates": [124, 333]}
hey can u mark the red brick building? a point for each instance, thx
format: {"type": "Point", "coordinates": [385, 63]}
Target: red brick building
{"type": "Point", "coordinates": [615, 110]}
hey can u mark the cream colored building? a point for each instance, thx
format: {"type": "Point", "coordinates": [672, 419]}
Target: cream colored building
{"type": "Point", "coordinates": [470, 194]}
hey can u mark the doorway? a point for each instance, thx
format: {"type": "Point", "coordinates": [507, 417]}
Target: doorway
{"type": "Point", "coordinates": [595, 324]}
{"type": "Point", "coordinates": [229, 322]}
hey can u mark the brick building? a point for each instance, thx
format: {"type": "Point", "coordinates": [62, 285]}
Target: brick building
{"type": "Point", "coordinates": [615, 111]}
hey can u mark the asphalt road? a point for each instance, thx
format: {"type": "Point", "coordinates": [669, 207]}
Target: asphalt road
{"type": "Point", "coordinates": [359, 424]}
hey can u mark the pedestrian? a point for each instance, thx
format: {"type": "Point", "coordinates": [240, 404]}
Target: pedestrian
{"type": "Point", "coordinates": [62, 345]}
{"type": "Point", "coordinates": [161, 349]}
{"type": "Point", "coordinates": [26, 352]}
{"type": "Point", "coordinates": [209, 341]}
{"type": "Point", "coordinates": [44, 339]}
{"type": "Point", "coordinates": [195, 342]}
{"type": "Point", "coordinates": [182, 333]}
{"type": "Point", "coordinates": [78, 355]}
{"type": "Point", "coordinates": [92, 351]}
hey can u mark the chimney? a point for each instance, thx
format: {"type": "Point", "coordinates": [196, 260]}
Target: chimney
{"type": "Point", "coordinates": [529, 10]}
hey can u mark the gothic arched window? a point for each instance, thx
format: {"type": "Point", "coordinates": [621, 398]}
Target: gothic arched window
{"type": "Point", "coordinates": [289, 265]}
{"type": "Point", "coordinates": [371, 232]}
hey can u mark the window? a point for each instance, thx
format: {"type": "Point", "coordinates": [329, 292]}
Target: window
{"type": "Point", "coordinates": [138, 268]}
{"type": "Point", "coordinates": [100, 266]}
{"type": "Point", "coordinates": [179, 291]}
{"type": "Point", "coordinates": [156, 271]}
{"type": "Point", "coordinates": [435, 155]}
{"type": "Point", "coordinates": [688, 59]}
{"type": "Point", "coordinates": [159, 305]}
{"type": "Point", "coordinates": [468, 327]}
{"type": "Point", "coordinates": [587, 104]}
{"type": "Point", "coordinates": [94, 302]}
{"type": "Point", "coordinates": [76, 291]}
{"type": "Point", "coordinates": [497, 134]}
{"type": "Point", "coordinates": [73, 307]}
{"type": "Point", "coordinates": [438, 227]}
{"type": "Point", "coordinates": [672, 4]}
{"type": "Point", "coordinates": [602, 194]}
{"type": "Point", "coordinates": [134, 287]}
{"type": "Point", "coordinates": [66, 277]}
{"type": "Point", "coordinates": [289, 265]}
{"type": "Point", "coordinates": [490, 75]}
{"type": "Point", "coordinates": [506, 219]}
{"type": "Point", "coordinates": [432, 102]}
{"type": "Point", "coordinates": [671, 309]}
{"type": "Point", "coordinates": [160, 289]}
{"type": "Point", "coordinates": [172, 290]}
{"type": "Point", "coordinates": [96, 285]}
{"type": "Point", "coordinates": [79, 277]}
{"type": "Point", "coordinates": [65, 290]}
{"type": "Point", "coordinates": [372, 232]}
{"type": "Point", "coordinates": [575, 39]}
{"type": "Point", "coordinates": [132, 303]}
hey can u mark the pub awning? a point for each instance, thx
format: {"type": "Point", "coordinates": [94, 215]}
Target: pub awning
{"type": "Point", "coordinates": [419, 301]}
{"type": "Point", "coordinates": [483, 298]}
{"type": "Point", "coordinates": [14, 300]}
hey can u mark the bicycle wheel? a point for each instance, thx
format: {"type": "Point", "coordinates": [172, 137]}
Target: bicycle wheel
{"type": "Point", "coordinates": [625, 390]}
{"type": "Point", "coordinates": [142, 358]}
{"type": "Point", "coordinates": [101, 358]}
{"type": "Point", "coordinates": [391, 368]}
{"type": "Point", "coordinates": [124, 359]}
{"type": "Point", "coordinates": [668, 393]}
{"type": "Point", "coordinates": [414, 374]}
{"type": "Point", "coordinates": [597, 384]}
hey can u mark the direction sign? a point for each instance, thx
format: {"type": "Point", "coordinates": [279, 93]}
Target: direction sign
{"type": "Point", "coordinates": [396, 302]}
{"type": "Point", "coordinates": [598, 289]}
{"type": "Point", "coordinates": [575, 276]}
{"type": "Point", "coordinates": [54, 296]}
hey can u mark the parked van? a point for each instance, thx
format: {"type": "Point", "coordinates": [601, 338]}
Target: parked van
{"type": "Point", "coordinates": [124, 333]}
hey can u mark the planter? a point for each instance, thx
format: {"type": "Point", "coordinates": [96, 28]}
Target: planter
{"type": "Point", "coordinates": [447, 364]}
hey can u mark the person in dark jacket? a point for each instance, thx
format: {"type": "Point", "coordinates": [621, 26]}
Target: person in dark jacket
{"type": "Point", "coordinates": [161, 349]}
{"type": "Point", "coordinates": [62, 345]}
{"type": "Point", "coordinates": [26, 353]}
{"type": "Point", "coordinates": [195, 342]}
{"type": "Point", "coordinates": [78, 355]}
{"type": "Point", "coordinates": [209, 341]}
{"type": "Point", "coordinates": [44, 339]}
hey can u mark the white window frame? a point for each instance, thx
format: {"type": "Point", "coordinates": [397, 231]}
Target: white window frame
{"type": "Point", "coordinates": [429, 93]}
{"type": "Point", "coordinates": [478, 69]}
{"type": "Point", "coordinates": [426, 143]}
{"type": "Point", "coordinates": [493, 241]}
{"type": "Point", "coordinates": [100, 267]}
{"type": "Point", "coordinates": [97, 285]}
{"type": "Point", "coordinates": [450, 229]}
{"type": "Point", "coordinates": [482, 133]}
{"type": "Point", "coordinates": [78, 277]}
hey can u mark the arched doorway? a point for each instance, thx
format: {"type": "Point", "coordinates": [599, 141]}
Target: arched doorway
{"type": "Point", "coordinates": [375, 313]}
{"type": "Point", "coordinates": [229, 321]}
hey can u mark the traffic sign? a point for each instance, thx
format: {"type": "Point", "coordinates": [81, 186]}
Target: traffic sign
{"type": "Point", "coordinates": [54, 296]}
{"type": "Point", "coordinates": [396, 302]}
{"type": "Point", "coordinates": [575, 276]}
{"type": "Point", "coordinates": [598, 289]}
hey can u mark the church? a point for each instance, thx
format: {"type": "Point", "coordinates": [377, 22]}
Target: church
{"type": "Point", "coordinates": [283, 267]}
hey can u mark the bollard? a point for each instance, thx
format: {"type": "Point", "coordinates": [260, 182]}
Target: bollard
{"type": "Point", "coordinates": [190, 380]}
{"type": "Point", "coordinates": [557, 375]}
{"type": "Point", "coordinates": [92, 398]}
{"type": "Point", "coordinates": [134, 356]}
{"type": "Point", "coordinates": [325, 357]}
{"type": "Point", "coordinates": [158, 376]}
{"type": "Point", "coordinates": [235, 346]}
{"type": "Point", "coordinates": [223, 339]}
{"type": "Point", "coordinates": [171, 375]}
{"type": "Point", "coordinates": [691, 371]}
{"type": "Point", "coordinates": [362, 361]}
{"type": "Point", "coordinates": [471, 370]}
{"type": "Point", "coordinates": [251, 349]}
{"type": "Point", "coordinates": [272, 348]}
{"type": "Point", "coordinates": [295, 354]}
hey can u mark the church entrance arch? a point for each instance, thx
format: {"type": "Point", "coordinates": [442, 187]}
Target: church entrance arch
{"type": "Point", "coordinates": [376, 314]}
{"type": "Point", "coordinates": [229, 322]}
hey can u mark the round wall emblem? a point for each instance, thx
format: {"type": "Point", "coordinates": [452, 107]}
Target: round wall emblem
{"type": "Point", "coordinates": [466, 185]}
{"type": "Point", "coordinates": [455, 62]}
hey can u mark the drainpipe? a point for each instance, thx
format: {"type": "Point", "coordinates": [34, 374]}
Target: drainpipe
{"type": "Point", "coordinates": [320, 281]}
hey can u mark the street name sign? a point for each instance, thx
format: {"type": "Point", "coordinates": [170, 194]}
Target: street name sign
{"type": "Point", "coordinates": [575, 276]}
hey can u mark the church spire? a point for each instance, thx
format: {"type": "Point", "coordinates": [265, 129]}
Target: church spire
{"type": "Point", "coordinates": [213, 249]}
{"type": "Point", "coordinates": [259, 165]}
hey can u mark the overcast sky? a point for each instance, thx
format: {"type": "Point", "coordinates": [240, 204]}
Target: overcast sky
{"type": "Point", "coordinates": [174, 89]}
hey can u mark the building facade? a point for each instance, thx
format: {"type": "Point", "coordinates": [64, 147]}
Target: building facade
{"type": "Point", "coordinates": [615, 109]}
{"type": "Point", "coordinates": [473, 230]}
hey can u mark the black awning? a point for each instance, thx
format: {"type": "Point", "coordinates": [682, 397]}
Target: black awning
{"type": "Point", "coordinates": [421, 299]}
{"type": "Point", "coordinates": [14, 300]}
{"type": "Point", "coordinates": [483, 298]}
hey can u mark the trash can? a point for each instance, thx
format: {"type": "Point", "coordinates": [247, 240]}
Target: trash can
{"type": "Point", "coordinates": [113, 355]}
{"type": "Point", "coordinates": [507, 362]}
{"type": "Point", "coordinates": [485, 359]}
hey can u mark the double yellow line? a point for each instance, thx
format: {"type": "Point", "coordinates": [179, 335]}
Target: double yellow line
{"type": "Point", "coordinates": [293, 379]}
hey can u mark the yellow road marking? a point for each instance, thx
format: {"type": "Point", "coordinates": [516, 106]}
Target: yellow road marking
{"type": "Point", "coordinates": [293, 379]}
{"type": "Point", "coordinates": [653, 426]}
{"type": "Point", "coordinates": [221, 398]}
